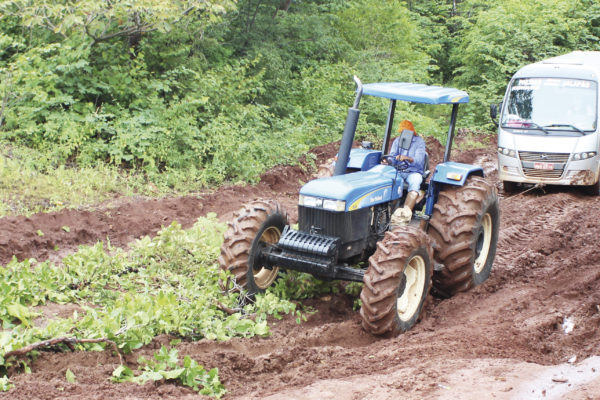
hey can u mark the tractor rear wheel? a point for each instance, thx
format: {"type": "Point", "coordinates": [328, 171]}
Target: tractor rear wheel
{"type": "Point", "coordinates": [464, 228]}
{"type": "Point", "coordinates": [326, 169]}
{"type": "Point", "coordinates": [397, 282]}
{"type": "Point", "coordinates": [256, 224]}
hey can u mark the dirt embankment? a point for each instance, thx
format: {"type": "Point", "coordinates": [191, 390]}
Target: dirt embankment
{"type": "Point", "coordinates": [512, 337]}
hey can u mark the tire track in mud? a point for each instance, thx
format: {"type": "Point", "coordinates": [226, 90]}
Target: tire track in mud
{"type": "Point", "coordinates": [518, 236]}
{"type": "Point", "coordinates": [515, 316]}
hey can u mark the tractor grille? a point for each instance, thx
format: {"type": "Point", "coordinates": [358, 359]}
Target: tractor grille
{"type": "Point", "coordinates": [529, 158]}
{"type": "Point", "coordinates": [349, 226]}
{"type": "Point", "coordinates": [304, 242]}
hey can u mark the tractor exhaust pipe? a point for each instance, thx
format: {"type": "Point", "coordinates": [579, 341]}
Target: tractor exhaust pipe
{"type": "Point", "coordinates": [349, 131]}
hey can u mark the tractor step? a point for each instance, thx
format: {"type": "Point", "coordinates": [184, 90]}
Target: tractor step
{"type": "Point", "coordinates": [421, 217]}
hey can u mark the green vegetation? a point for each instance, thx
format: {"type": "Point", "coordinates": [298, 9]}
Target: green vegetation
{"type": "Point", "coordinates": [30, 183]}
{"type": "Point", "coordinates": [165, 285]}
{"type": "Point", "coordinates": [164, 98]}
{"type": "Point", "coordinates": [105, 99]}
{"type": "Point", "coordinates": [165, 366]}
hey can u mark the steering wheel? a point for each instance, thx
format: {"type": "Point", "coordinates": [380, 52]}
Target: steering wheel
{"type": "Point", "coordinates": [402, 165]}
{"type": "Point", "coordinates": [386, 157]}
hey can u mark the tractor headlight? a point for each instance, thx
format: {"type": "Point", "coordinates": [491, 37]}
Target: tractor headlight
{"type": "Point", "coordinates": [309, 201]}
{"type": "Point", "coordinates": [334, 205]}
{"type": "Point", "coordinates": [315, 202]}
{"type": "Point", "coordinates": [507, 152]}
{"type": "Point", "coordinates": [583, 156]}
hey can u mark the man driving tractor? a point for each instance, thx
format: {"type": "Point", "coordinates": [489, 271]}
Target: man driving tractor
{"type": "Point", "coordinates": [409, 158]}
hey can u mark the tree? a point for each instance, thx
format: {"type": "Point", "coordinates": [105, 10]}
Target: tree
{"type": "Point", "coordinates": [499, 40]}
{"type": "Point", "coordinates": [104, 20]}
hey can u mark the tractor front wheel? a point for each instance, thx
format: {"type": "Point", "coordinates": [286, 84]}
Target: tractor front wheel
{"type": "Point", "coordinates": [464, 227]}
{"type": "Point", "coordinates": [257, 224]}
{"type": "Point", "coordinates": [397, 282]}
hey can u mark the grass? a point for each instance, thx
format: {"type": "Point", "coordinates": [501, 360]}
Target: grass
{"type": "Point", "coordinates": [30, 183]}
{"type": "Point", "coordinates": [470, 140]}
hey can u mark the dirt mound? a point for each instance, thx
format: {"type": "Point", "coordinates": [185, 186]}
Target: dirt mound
{"type": "Point", "coordinates": [509, 338]}
{"type": "Point", "coordinates": [52, 235]}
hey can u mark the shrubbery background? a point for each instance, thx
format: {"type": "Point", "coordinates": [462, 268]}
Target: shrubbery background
{"type": "Point", "coordinates": [200, 93]}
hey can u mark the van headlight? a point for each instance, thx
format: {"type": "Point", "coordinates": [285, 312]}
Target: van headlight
{"type": "Point", "coordinates": [583, 156]}
{"type": "Point", "coordinates": [327, 204]}
{"type": "Point", "coordinates": [507, 152]}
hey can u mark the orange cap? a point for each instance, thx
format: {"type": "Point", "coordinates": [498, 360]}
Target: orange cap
{"type": "Point", "coordinates": [406, 124]}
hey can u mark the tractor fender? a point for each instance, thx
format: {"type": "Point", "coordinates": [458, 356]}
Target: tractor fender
{"type": "Point", "coordinates": [363, 159]}
{"type": "Point", "coordinates": [453, 173]}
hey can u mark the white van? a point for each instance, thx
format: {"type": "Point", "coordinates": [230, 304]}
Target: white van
{"type": "Point", "coordinates": [548, 128]}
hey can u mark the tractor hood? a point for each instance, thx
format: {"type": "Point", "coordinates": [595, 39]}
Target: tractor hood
{"type": "Point", "coordinates": [358, 190]}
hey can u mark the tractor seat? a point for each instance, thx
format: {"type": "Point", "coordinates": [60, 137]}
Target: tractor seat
{"type": "Point", "coordinates": [427, 172]}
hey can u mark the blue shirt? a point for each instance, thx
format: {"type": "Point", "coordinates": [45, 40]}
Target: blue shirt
{"type": "Point", "coordinates": [416, 151]}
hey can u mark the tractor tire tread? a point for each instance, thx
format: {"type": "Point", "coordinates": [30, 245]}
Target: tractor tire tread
{"type": "Point", "coordinates": [383, 277]}
{"type": "Point", "coordinates": [239, 237]}
{"type": "Point", "coordinates": [453, 229]}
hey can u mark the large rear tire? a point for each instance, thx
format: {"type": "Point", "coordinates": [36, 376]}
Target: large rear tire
{"type": "Point", "coordinates": [397, 282]}
{"type": "Point", "coordinates": [257, 223]}
{"type": "Point", "coordinates": [464, 228]}
{"type": "Point", "coordinates": [326, 169]}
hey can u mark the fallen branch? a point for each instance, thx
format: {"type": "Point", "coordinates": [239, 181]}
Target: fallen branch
{"type": "Point", "coordinates": [68, 341]}
{"type": "Point", "coordinates": [226, 309]}
{"type": "Point", "coordinates": [232, 311]}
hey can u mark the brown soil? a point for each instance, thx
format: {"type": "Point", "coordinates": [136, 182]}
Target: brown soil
{"type": "Point", "coordinates": [531, 331]}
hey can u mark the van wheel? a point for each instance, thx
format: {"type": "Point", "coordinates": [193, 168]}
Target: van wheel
{"type": "Point", "coordinates": [509, 187]}
{"type": "Point", "coordinates": [594, 189]}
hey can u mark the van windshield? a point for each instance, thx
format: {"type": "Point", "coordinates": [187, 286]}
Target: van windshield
{"type": "Point", "coordinates": [551, 104]}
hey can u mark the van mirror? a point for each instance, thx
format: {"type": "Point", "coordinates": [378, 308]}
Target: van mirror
{"type": "Point", "coordinates": [494, 112]}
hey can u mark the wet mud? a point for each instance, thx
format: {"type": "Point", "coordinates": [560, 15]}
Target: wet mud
{"type": "Point", "coordinates": [531, 331]}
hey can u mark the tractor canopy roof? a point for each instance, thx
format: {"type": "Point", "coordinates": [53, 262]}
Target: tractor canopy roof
{"type": "Point", "coordinates": [416, 93]}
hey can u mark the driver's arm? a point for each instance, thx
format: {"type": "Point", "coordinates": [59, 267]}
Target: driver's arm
{"type": "Point", "coordinates": [394, 151]}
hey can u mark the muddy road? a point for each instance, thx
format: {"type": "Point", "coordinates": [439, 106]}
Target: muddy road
{"type": "Point", "coordinates": [531, 331]}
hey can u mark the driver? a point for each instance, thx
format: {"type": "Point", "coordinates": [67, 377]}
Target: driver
{"type": "Point", "coordinates": [410, 163]}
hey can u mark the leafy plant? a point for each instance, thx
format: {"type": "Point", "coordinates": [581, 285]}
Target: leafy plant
{"type": "Point", "coordinates": [295, 285]}
{"type": "Point", "coordinates": [166, 366]}
{"type": "Point", "coordinates": [5, 384]}
{"type": "Point", "coordinates": [495, 42]}
{"type": "Point", "coordinates": [165, 285]}
{"type": "Point", "coordinates": [70, 376]}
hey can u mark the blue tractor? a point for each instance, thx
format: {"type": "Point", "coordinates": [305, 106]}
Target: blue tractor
{"type": "Point", "coordinates": [344, 220]}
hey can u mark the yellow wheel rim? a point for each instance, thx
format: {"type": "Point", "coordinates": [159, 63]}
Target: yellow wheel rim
{"type": "Point", "coordinates": [483, 243]}
{"type": "Point", "coordinates": [408, 303]}
{"type": "Point", "coordinates": [264, 277]}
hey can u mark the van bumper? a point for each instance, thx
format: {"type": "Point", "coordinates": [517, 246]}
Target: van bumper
{"type": "Point", "coordinates": [575, 173]}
